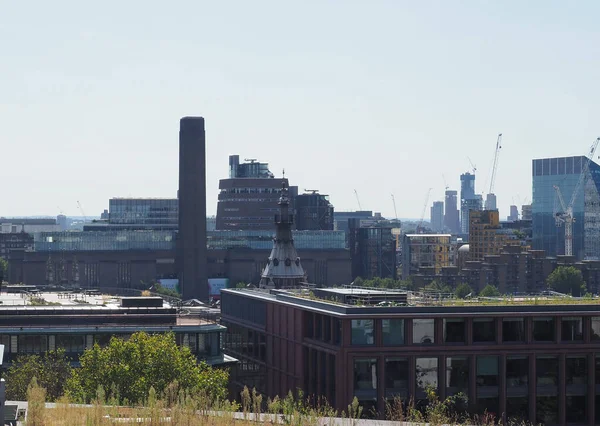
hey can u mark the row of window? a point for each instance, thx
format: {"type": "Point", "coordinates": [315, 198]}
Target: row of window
{"type": "Point", "coordinates": [201, 344]}
{"type": "Point", "coordinates": [544, 329]}
{"type": "Point", "coordinates": [485, 395]}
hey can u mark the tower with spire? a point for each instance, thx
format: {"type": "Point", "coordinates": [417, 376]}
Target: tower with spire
{"type": "Point", "coordinates": [283, 269]}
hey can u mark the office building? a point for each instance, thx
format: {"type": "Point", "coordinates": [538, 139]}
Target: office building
{"type": "Point", "coordinates": [452, 215]}
{"type": "Point", "coordinates": [373, 251]}
{"type": "Point", "coordinates": [314, 212]}
{"type": "Point", "coordinates": [485, 237]}
{"type": "Point", "coordinates": [425, 251]}
{"type": "Point", "coordinates": [524, 360]}
{"type": "Point", "coordinates": [467, 206]}
{"type": "Point", "coordinates": [564, 173]}
{"type": "Point", "coordinates": [29, 225]}
{"type": "Point", "coordinates": [283, 269]}
{"type": "Point", "coordinates": [248, 198]}
{"type": "Point", "coordinates": [144, 211]}
{"type": "Point", "coordinates": [468, 200]}
{"type": "Point", "coordinates": [137, 258]}
{"type": "Point", "coordinates": [18, 241]}
{"type": "Point", "coordinates": [437, 216]}
{"type": "Point", "coordinates": [514, 214]}
{"type": "Point", "coordinates": [26, 329]}
{"type": "Point", "coordinates": [191, 259]}
{"type": "Point", "coordinates": [63, 222]}
{"type": "Point", "coordinates": [341, 219]}
{"type": "Point", "coordinates": [526, 212]}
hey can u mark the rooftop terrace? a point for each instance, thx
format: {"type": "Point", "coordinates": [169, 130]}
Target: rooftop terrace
{"type": "Point", "coordinates": [351, 300]}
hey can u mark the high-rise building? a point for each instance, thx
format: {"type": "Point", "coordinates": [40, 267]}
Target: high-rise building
{"type": "Point", "coordinates": [491, 202]}
{"type": "Point", "coordinates": [526, 212]}
{"type": "Point", "coordinates": [468, 200]}
{"type": "Point", "coordinates": [514, 214]}
{"type": "Point", "coordinates": [373, 251]}
{"type": "Point", "coordinates": [437, 216]}
{"type": "Point", "coordinates": [425, 251]}
{"type": "Point", "coordinates": [485, 237]}
{"type": "Point", "coordinates": [248, 198]}
{"type": "Point", "coordinates": [564, 173]}
{"type": "Point", "coordinates": [314, 212]}
{"type": "Point", "coordinates": [191, 259]}
{"type": "Point", "coordinates": [467, 186]}
{"type": "Point", "coordinates": [452, 217]}
{"type": "Point", "coordinates": [467, 206]}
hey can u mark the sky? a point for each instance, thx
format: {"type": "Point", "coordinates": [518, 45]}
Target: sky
{"type": "Point", "coordinates": [381, 97]}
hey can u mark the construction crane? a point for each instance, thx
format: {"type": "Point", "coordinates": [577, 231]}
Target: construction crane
{"type": "Point", "coordinates": [81, 210]}
{"type": "Point", "coordinates": [395, 211]}
{"type": "Point", "coordinates": [495, 165]}
{"type": "Point", "coordinates": [473, 166]}
{"type": "Point", "coordinates": [566, 216]}
{"type": "Point", "coordinates": [420, 227]}
{"type": "Point", "coordinates": [357, 200]}
{"type": "Point", "coordinates": [445, 183]}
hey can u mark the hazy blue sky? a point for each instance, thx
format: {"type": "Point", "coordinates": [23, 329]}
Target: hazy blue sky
{"type": "Point", "coordinates": [381, 96]}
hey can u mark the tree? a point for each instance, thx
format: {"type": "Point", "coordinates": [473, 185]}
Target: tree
{"type": "Point", "coordinates": [489, 291]}
{"type": "Point", "coordinates": [134, 366]}
{"type": "Point", "coordinates": [462, 291]}
{"type": "Point", "coordinates": [51, 371]}
{"type": "Point", "coordinates": [437, 287]}
{"type": "Point", "coordinates": [567, 280]}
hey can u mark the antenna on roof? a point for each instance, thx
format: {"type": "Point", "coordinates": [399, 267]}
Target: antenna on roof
{"type": "Point", "coordinates": [284, 173]}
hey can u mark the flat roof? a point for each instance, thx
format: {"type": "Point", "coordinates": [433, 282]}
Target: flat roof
{"type": "Point", "coordinates": [424, 307]}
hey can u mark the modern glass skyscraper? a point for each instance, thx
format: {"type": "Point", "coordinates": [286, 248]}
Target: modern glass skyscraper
{"type": "Point", "coordinates": [564, 172]}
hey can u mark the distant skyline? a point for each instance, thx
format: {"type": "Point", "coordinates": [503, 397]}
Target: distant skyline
{"type": "Point", "coordinates": [383, 97]}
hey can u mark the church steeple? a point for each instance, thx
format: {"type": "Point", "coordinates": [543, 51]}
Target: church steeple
{"type": "Point", "coordinates": [283, 269]}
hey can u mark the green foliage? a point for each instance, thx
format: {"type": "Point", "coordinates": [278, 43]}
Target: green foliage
{"type": "Point", "coordinates": [489, 291]}
{"type": "Point", "coordinates": [462, 290]}
{"type": "Point", "coordinates": [567, 280]}
{"type": "Point", "coordinates": [142, 362]}
{"type": "Point", "coordinates": [158, 288]}
{"type": "Point", "coordinates": [50, 370]}
{"type": "Point", "coordinates": [437, 287]}
{"type": "Point", "coordinates": [241, 284]}
{"type": "Point", "coordinates": [384, 283]}
{"type": "Point", "coordinates": [3, 268]}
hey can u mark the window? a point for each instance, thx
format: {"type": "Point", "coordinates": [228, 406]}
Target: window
{"type": "Point", "coordinates": [396, 376]}
{"type": "Point", "coordinates": [365, 378]}
{"type": "Point", "coordinates": [32, 344]}
{"type": "Point", "coordinates": [457, 375]}
{"type": "Point", "coordinates": [454, 330]}
{"type": "Point", "coordinates": [427, 373]}
{"type": "Point", "coordinates": [513, 330]}
{"type": "Point", "coordinates": [576, 370]}
{"type": "Point", "coordinates": [543, 329]}
{"type": "Point", "coordinates": [362, 332]}
{"type": "Point", "coordinates": [517, 409]}
{"type": "Point", "coordinates": [571, 329]}
{"type": "Point", "coordinates": [393, 331]}
{"type": "Point", "coordinates": [487, 371]}
{"type": "Point", "coordinates": [596, 328]}
{"type": "Point", "coordinates": [517, 374]}
{"type": "Point", "coordinates": [547, 371]}
{"type": "Point", "coordinates": [73, 343]}
{"type": "Point", "coordinates": [423, 331]}
{"type": "Point", "coordinates": [484, 330]}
